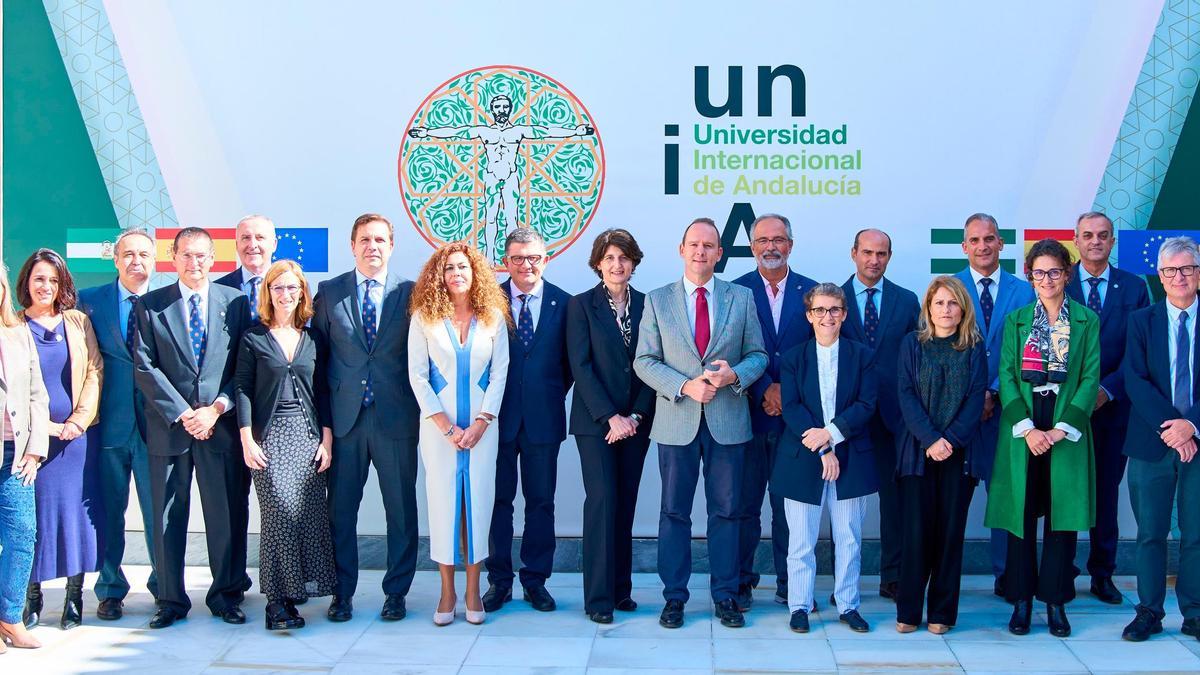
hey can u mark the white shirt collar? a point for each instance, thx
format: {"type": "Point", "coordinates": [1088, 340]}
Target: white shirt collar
{"type": "Point", "coordinates": [690, 288]}
{"type": "Point", "coordinates": [380, 278]}
{"type": "Point", "coordinates": [994, 276]}
{"type": "Point", "coordinates": [247, 275]}
{"type": "Point", "coordinates": [831, 348]}
{"type": "Point", "coordinates": [1088, 275]}
{"type": "Point", "coordinates": [1173, 312]}
{"type": "Point", "coordinates": [187, 293]}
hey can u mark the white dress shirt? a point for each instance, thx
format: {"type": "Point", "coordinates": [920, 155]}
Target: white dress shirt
{"type": "Point", "coordinates": [995, 288]}
{"type": "Point", "coordinates": [380, 280]}
{"type": "Point", "coordinates": [690, 291]}
{"type": "Point", "coordinates": [775, 301]}
{"type": "Point", "coordinates": [533, 299]}
{"type": "Point", "coordinates": [827, 376]}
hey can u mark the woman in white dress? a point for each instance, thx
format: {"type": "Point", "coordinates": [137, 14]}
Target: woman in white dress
{"type": "Point", "coordinates": [458, 363]}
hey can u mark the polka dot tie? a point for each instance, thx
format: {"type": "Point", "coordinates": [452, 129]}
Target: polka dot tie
{"type": "Point", "coordinates": [254, 284]}
{"type": "Point", "coordinates": [196, 331]}
{"type": "Point", "coordinates": [986, 303]}
{"type": "Point", "coordinates": [370, 330]}
{"type": "Point", "coordinates": [871, 317]}
{"type": "Point", "coordinates": [525, 322]}
{"type": "Point", "coordinates": [131, 323]}
{"type": "Point", "coordinates": [1093, 299]}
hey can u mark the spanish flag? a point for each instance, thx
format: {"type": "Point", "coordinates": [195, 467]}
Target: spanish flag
{"type": "Point", "coordinates": [1065, 237]}
{"type": "Point", "coordinates": [223, 240]}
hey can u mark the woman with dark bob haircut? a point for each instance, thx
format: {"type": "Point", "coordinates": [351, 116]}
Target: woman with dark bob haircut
{"type": "Point", "coordinates": [1049, 375]}
{"type": "Point", "coordinates": [610, 419]}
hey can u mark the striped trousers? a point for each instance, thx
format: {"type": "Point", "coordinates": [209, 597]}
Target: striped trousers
{"type": "Point", "coordinates": [804, 525]}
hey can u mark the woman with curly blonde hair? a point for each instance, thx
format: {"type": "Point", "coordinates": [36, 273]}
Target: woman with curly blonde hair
{"type": "Point", "coordinates": [458, 364]}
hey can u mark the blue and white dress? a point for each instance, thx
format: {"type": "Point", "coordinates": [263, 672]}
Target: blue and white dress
{"type": "Point", "coordinates": [461, 380]}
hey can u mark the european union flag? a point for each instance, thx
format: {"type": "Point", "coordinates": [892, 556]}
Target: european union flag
{"type": "Point", "coordinates": [308, 246]}
{"type": "Point", "coordinates": [1138, 249]}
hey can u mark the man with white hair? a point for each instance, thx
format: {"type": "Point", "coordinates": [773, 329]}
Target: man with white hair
{"type": "Point", "coordinates": [256, 242]}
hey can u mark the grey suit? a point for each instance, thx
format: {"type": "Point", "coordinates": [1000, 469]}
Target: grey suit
{"type": "Point", "coordinates": [689, 433]}
{"type": "Point", "coordinates": [172, 383]}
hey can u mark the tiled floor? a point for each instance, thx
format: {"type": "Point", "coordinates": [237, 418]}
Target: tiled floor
{"type": "Point", "coordinates": [520, 640]}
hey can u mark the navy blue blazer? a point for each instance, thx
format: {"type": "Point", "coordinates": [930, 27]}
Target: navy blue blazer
{"type": "Point", "coordinates": [897, 318]}
{"type": "Point", "coordinates": [535, 397]}
{"type": "Point", "coordinates": [919, 432]}
{"type": "Point", "coordinates": [122, 407]}
{"type": "Point", "coordinates": [797, 471]}
{"type": "Point", "coordinates": [232, 280]}
{"type": "Point", "coordinates": [794, 329]}
{"type": "Point", "coordinates": [1126, 294]}
{"type": "Point", "coordinates": [1148, 383]}
{"type": "Point", "coordinates": [337, 318]}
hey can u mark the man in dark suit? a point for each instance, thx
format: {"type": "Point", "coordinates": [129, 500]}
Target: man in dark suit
{"type": "Point", "coordinates": [185, 355]}
{"type": "Point", "coordinates": [533, 423]}
{"type": "Point", "coordinates": [995, 293]}
{"type": "Point", "coordinates": [122, 413]}
{"type": "Point", "coordinates": [255, 242]}
{"type": "Point", "coordinates": [361, 317]}
{"type": "Point", "coordinates": [879, 314]}
{"type": "Point", "coordinates": [1161, 382]}
{"type": "Point", "coordinates": [779, 301]}
{"type": "Point", "coordinates": [1113, 295]}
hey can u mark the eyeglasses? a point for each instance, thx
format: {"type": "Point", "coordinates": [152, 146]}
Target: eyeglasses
{"type": "Point", "coordinates": [520, 260]}
{"type": "Point", "coordinates": [820, 312]}
{"type": "Point", "coordinates": [194, 257]}
{"type": "Point", "coordinates": [1169, 272]}
{"type": "Point", "coordinates": [1054, 274]}
{"type": "Point", "coordinates": [285, 290]}
{"type": "Point", "coordinates": [774, 241]}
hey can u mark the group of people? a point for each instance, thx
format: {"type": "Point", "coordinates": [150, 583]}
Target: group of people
{"type": "Point", "coordinates": [817, 394]}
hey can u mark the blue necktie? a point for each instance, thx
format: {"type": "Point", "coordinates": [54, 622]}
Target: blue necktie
{"type": "Point", "coordinates": [254, 283]}
{"type": "Point", "coordinates": [1093, 299]}
{"type": "Point", "coordinates": [131, 323]}
{"type": "Point", "coordinates": [525, 322]}
{"type": "Point", "coordinates": [986, 303]}
{"type": "Point", "coordinates": [369, 331]}
{"type": "Point", "coordinates": [196, 330]}
{"type": "Point", "coordinates": [870, 317]}
{"type": "Point", "coordinates": [1183, 367]}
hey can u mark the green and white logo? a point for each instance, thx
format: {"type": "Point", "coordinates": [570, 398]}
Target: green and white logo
{"type": "Point", "coordinates": [496, 148]}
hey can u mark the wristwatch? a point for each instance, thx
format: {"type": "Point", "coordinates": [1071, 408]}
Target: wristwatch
{"type": "Point", "coordinates": [636, 417]}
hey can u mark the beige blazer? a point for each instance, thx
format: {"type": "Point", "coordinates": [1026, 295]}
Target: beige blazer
{"type": "Point", "coordinates": [23, 397]}
{"type": "Point", "coordinates": [87, 371]}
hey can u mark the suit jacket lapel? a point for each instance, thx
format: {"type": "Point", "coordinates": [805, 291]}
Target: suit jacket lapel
{"type": "Point", "coordinates": [216, 339]}
{"type": "Point", "coordinates": [545, 316]}
{"type": "Point", "coordinates": [391, 298]}
{"type": "Point", "coordinates": [679, 309]}
{"type": "Point", "coordinates": [1111, 296]}
{"type": "Point", "coordinates": [762, 305]}
{"type": "Point", "coordinates": [175, 310]}
{"type": "Point", "coordinates": [604, 315]}
{"type": "Point", "coordinates": [108, 315]}
{"type": "Point", "coordinates": [999, 311]}
{"type": "Point", "coordinates": [724, 306]}
{"type": "Point", "coordinates": [812, 383]}
{"type": "Point", "coordinates": [855, 329]}
{"type": "Point", "coordinates": [1160, 355]}
{"type": "Point", "coordinates": [793, 303]}
{"type": "Point", "coordinates": [845, 378]}
{"type": "Point", "coordinates": [969, 281]}
{"type": "Point", "coordinates": [349, 303]}
{"type": "Point", "coordinates": [885, 309]}
{"type": "Point", "coordinates": [637, 305]}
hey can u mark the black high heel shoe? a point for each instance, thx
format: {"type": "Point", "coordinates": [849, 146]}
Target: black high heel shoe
{"type": "Point", "coordinates": [72, 615]}
{"type": "Point", "coordinates": [1022, 612]}
{"type": "Point", "coordinates": [31, 616]}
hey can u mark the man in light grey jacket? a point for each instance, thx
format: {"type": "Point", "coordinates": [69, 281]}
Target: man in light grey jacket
{"type": "Point", "coordinates": [700, 348]}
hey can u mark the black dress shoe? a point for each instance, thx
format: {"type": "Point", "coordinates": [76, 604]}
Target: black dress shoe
{"type": "Point", "coordinates": [165, 617]}
{"type": "Point", "coordinates": [231, 614]}
{"type": "Point", "coordinates": [109, 609]}
{"type": "Point", "coordinates": [290, 606]}
{"type": "Point", "coordinates": [626, 605]}
{"type": "Point", "coordinates": [31, 615]}
{"type": "Point", "coordinates": [1104, 589]}
{"type": "Point", "coordinates": [601, 617]}
{"type": "Point", "coordinates": [799, 621]}
{"type": "Point", "coordinates": [1191, 627]}
{"type": "Point", "coordinates": [672, 614]}
{"type": "Point", "coordinates": [495, 598]}
{"type": "Point", "coordinates": [1142, 627]}
{"type": "Point", "coordinates": [1056, 616]}
{"type": "Point", "coordinates": [540, 598]}
{"type": "Point", "coordinates": [393, 608]}
{"type": "Point", "coordinates": [855, 621]}
{"type": "Point", "coordinates": [727, 611]}
{"type": "Point", "coordinates": [781, 595]}
{"type": "Point", "coordinates": [341, 608]}
{"type": "Point", "coordinates": [278, 617]}
{"type": "Point", "coordinates": [1022, 612]}
{"type": "Point", "coordinates": [745, 597]}
{"type": "Point", "coordinates": [999, 588]}
{"type": "Point", "coordinates": [889, 590]}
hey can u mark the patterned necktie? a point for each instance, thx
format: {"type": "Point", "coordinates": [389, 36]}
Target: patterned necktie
{"type": "Point", "coordinates": [254, 284]}
{"type": "Point", "coordinates": [370, 330]}
{"type": "Point", "coordinates": [870, 317]}
{"type": "Point", "coordinates": [1183, 367]}
{"type": "Point", "coordinates": [1093, 299]}
{"type": "Point", "coordinates": [525, 322]}
{"type": "Point", "coordinates": [702, 328]}
{"type": "Point", "coordinates": [986, 303]}
{"type": "Point", "coordinates": [196, 330]}
{"type": "Point", "coordinates": [131, 323]}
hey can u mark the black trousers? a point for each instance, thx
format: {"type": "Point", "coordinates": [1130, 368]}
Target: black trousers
{"type": "Point", "coordinates": [368, 442]}
{"type": "Point", "coordinates": [891, 515]}
{"type": "Point", "coordinates": [538, 464]}
{"type": "Point", "coordinates": [1108, 437]}
{"type": "Point", "coordinates": [611, 476]}
{"type": "Point", "coordinates": [1053, 581]}
{"type": "Point", "coordinates": [935, 507]}
{"type": "Point", "coordinates": [224, 483]}
{"type": "Point", "coordinates": [756, 473]}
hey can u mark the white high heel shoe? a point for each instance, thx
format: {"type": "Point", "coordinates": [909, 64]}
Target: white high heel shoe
{"type": "Point", "coordinates": [445, 618]}
{"type": "Point", "coordinates": [476, 618]}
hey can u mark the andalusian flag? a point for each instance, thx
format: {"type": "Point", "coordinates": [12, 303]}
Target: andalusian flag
{"type": "Point", "coordinates": [949, 243]}
{"type": "Point", "coordinates": [90, 250]}
{"type": "Point", "coordinates": [223, 240]}
{"type": "Point", "coordinates": [1064, 236]}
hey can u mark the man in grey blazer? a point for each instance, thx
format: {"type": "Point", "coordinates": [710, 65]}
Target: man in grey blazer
{"type": "Point", "coordinates": [700, 348]}
{"type": "Point", "coordinates": [184, 360]}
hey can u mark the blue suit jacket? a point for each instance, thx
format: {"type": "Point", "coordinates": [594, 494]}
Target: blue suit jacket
{"type": "Point", "coordinates": [232, 280]}
{"type": "Point", "coordinates": [897, 318]}
{"type": "Point", "coordinates": [794, 329]}
{"type": "Point", "coordinates": [1126, 294]}
{"type": "Point", "coordinates": [122, 407]}
{"type": "Point", "coordinates": [539, 377]}
{"type": "Point", "coordinates": [1014, 292]}
{"type": "Point", "coordinates": [1148, 383]}
{"type": "Point", "coordinates": [797, 471]}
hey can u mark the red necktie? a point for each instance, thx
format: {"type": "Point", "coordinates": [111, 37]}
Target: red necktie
{"type": "Point", "coordinates": [702, 328]}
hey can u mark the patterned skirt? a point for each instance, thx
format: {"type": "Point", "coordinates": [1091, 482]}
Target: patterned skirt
{"type": "Point", "coordinates": [296, 549]}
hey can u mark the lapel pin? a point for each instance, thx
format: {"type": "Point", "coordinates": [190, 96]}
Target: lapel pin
{"type": "Point", "coordinates": [553, 303]}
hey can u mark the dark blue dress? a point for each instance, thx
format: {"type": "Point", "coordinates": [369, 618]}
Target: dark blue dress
{"type": "Point", "coordinates": [70, 510]}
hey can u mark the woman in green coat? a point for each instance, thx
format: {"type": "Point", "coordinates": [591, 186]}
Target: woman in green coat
{"type": "Point", "coordinates": [1049, 377]}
